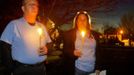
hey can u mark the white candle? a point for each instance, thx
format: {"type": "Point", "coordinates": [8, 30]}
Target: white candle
{"type": "Point", "coordinates": [40, 34]}
{"type": "Point", "coordinates": [83, 33]}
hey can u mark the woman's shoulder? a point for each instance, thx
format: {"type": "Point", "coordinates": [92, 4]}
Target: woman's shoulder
{"type": "Point", "coordinates": [69, 33]}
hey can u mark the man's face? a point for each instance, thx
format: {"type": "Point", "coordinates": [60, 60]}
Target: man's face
{"type": "Point", "coordinates": [30, 7]}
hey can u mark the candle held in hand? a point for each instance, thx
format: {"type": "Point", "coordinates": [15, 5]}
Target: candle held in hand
{"type": "Point", "coordinates": [83, 34]}
{"type": "Point", "coordinates": [40, 34]}
{"type": "Point", "coordinates": [40, 38]}
{"type": "Point", "coordinates": [40, 31]}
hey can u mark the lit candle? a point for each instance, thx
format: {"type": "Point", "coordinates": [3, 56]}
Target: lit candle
{"type": "Point", "coordinates": [83, 33]}
{"type": "Point", "coordinates": [40, 34]}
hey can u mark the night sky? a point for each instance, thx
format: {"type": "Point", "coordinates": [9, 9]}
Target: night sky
{"type": "Point", "coordinates": [63, 11]}
{"type": "Point", "coordinates": [113, 17]}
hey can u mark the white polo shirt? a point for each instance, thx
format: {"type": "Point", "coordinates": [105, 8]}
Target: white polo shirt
{"type": "Point", "coordinates": [86, 62]}
{"type": "Point", "coordinates": [25, 41]}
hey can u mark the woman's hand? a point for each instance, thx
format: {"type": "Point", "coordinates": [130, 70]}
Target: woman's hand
{"type": "Point", "coordinates": [97, 72]}
{"type": "Point", "coordinates": [77, 53]}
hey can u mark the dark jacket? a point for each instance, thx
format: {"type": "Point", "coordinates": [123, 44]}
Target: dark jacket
{"type": "Point", "coordinates": [69, 38]}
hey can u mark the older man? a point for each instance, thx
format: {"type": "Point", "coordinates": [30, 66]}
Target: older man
{"type": "Point", "coordinates": [27, 40]}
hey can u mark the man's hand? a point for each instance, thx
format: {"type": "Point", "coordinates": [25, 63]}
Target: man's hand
{"type": "Point", "coordinates": [43, 51]}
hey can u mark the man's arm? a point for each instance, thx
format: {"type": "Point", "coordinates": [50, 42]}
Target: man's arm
{"type": "Point", "coordinates": [7, 60]}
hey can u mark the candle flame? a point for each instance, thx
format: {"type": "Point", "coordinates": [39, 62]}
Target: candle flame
{"type": "Point", "coordinates": [121, 31]}
{"type": "Point", "coordinates": [83, 33]}
{"type": "Point", "coordinates": [40, 31]}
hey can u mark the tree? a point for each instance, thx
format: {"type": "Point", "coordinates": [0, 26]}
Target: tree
{"type": "Point", "coordinates": [63, 11]}
{"type": "Point", "coordinates": [109, 28]}
{"type": "Point", "coordinates": [127, 22]}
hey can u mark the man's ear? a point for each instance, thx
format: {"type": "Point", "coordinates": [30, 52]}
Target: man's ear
{"type": "Point", "coordinates": [22, 8]}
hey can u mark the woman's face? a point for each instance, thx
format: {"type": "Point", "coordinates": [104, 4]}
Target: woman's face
{"type": "Point", "coordinates": [82, 22]}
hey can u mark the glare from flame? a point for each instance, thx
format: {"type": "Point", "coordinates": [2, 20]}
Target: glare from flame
{"type": "Point", "coordinates": [83, 33]}
{"type": "Point", "coordinates": [121, 31]}
{"type": "Point", "coordinates": [40, 31]}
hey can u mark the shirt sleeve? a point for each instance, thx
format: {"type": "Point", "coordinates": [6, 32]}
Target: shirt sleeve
{"type": "Point", "coordinates": [8, 33]}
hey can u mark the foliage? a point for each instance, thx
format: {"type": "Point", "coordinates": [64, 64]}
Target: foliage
{"type": "Point", "coordinates": [127, 22]}
{"type": "Point", "coordinates": [109, 29]}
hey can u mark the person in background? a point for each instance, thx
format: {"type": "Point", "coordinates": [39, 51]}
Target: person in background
{"type": "Point", "coordinates": [26, 39]}
{"type": "Point", "coordinates": [79, 46]}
